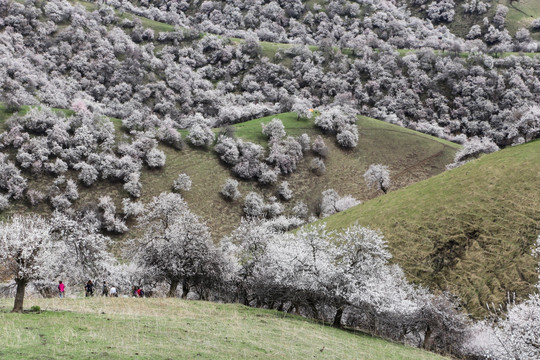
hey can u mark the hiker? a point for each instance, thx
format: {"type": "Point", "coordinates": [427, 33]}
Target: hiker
{"type": "Point", "coordinates": [134, 291]}
{"type": "Point", "coordinates": [140, 292]}
{"type": "Point", "coordinates": [113, 292]}
{"type": "Point", "coordinates": [61, 288]}
{"type": "Point", "coordinates": [105, 291]}
{"type": "Point", "coordinates": [89, 288]}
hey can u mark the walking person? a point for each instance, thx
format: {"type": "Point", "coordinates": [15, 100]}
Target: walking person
{"type": "Point", "coordinates": [61, 289]}
{"type": "Point", "coordinates": [105, 291]}
{"type": "Point", "coordinates": [89, 288]}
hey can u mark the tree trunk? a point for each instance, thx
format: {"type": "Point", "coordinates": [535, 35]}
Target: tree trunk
{"type": "Point", "coordinates": [19, 296]}
{"type": "Point", "coordinates": [314, 309]}
{"type": "Point", "coordinates": [185, 288]}
{"type": "Point", "coordinates": [427, 339]}
{"type": "Point", "coordinates": [337, 318]}
{"type": "Point", "coordinates": [172, 289]}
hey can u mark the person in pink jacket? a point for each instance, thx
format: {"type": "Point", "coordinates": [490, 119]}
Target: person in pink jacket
{"type": "Point", "coordinates": [61, 289]}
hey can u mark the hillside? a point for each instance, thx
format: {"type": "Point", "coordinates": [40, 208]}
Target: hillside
{"type": "Point", "coordinates": [468, 230]}
{"type": "Point", "coordinates": [125, 328]}
{"type": "Point", "coordinates": [411, 157]}
{"type": "Point", "coordinates": [520, 15]}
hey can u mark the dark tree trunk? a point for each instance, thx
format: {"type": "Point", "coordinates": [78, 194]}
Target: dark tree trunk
{"type": "Point", "coordinates": [19, 296]}
{"type": "Point", "coordinates": [337, 318]}
{"type": "Point", "coordinates": [427, 339]}
{"type": "Point", "coordinates": [291, 308]}
{"type": "Point", "coordinates": [172, 289]}
{"type": "Point", "coordinates": [314, 309]}
{"type": "Point", "coordinates": [185, 288]}
{"type": "Point", "coordinates": [244, 296]}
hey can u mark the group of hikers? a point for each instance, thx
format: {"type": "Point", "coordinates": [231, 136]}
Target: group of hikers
{"type": "Point", "coordinates": [105, 291]}
{"type": "Point", "coordinates": [136, 291]}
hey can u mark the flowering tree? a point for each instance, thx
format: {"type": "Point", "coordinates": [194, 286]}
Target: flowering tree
{"type": "Point", "coordinates": [24, 245]}
{"type": "Point", "coordinates": [182, 183]}
{"type": "Point", "coordinates": [79, 247]}
{"type": "Point", "coordinates": [175, 245]}
{"type": "Point", "coordinates": [230, 189]}
{"type": "Point", "coordinates": [201, 135]}
{"type": "Point", "coordinates": [378, 177]}
{"type": "Point", "coordinates": [274, 130]}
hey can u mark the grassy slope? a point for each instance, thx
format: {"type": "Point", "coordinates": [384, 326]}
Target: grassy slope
{"type": "Point", "coordinates": [410, 155]}
{"type": "Point", "coordinates": [171, 328]}
{"type": "Point", "coordinates": [469, 230]}
{"type": "Point", "coordinates": [520, 14]}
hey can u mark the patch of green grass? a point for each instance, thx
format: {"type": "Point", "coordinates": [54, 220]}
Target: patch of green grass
{"type": "Point", "coordinates": [521, 14]}
{"type": "Point", "coordinates": [146, 23]}
{"type": "Point", "coordinates": [127, 328]}
{"type": "Point", "coordinates": [469, 230]}
{"type": "Point", "coordinates": [150, 24]}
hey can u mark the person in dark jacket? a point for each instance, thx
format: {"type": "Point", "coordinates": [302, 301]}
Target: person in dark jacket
{"type": "Point", "coordinates": [89, 288]}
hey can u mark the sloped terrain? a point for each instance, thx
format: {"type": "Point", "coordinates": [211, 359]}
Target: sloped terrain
{"type": "Point", "coordinates": [410, 156]}
{"type": "Point", "coordinates": [126, 328]}
{"type": "Point", "coordinates": [469, 230]}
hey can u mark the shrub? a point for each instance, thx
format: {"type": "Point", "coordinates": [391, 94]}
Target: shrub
{"type": "Point", "coordinates": [133, 185]}
{"type": "Point", "coordinates": [182, 183]}
{"type": "Point", "coordinates": [230, 189]}
{"type": "Point", "coordinates": [155, 158]}
{"type": "Point", "coordinates": [284, 191]}
{"type": "Point", "coordinates": [34, 197]}
{"type": "Point", "coordinates": [317, 166]}
{"type": "Point", "coordinates": [319, 147]}
{"type": "Point", "coordinates": [300, 210]}
{"type": "Point", "coordinates": [304, 141]}
{"type": "Point", "coordinates": [273, 210]}
{"type": "Point", "coordinates": [201, 135]}
{"type": "Point", "coordinates": [131, 208]}
{"type": "Point", "coordinates": [267, 175]}
{"type": "Point", "coordinates": [88, 174]}
{"type": "Point", "coordinates": [274, 130]}
{"type": "Point", "coordinates": [4, 202]}
{"type": "Point", "coordinates": [347, 136]}
{"type": "Point", "coordinates": [253, 205]}
{"type": "Point", "coordinates": [227, 150]}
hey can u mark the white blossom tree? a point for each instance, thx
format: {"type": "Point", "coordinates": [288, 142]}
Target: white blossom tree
{"type": "Point", "coordinates": [24, 247]}
{"type": "Point", "coordinates": [175, 245]}
{"type": "Point", "coordinates": [378, 177]}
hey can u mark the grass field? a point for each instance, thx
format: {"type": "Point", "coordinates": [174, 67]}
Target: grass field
{"type": "Point", "coordinates": [469, 230]}
{"type": "Point", "coordinates": [126, 328]}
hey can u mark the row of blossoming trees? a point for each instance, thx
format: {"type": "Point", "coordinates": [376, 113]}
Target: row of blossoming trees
{"type": "Point", "coordinates": [342, 278]}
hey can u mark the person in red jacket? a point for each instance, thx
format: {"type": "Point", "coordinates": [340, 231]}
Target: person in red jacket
{"type": "Point", "coordinates": [61, 289]}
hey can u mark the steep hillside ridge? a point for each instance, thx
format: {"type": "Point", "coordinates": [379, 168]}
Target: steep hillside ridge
{"type": "Point", "coordinates": [468, 230]}
{"type": "Point", "coordinates": [124, 328]}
